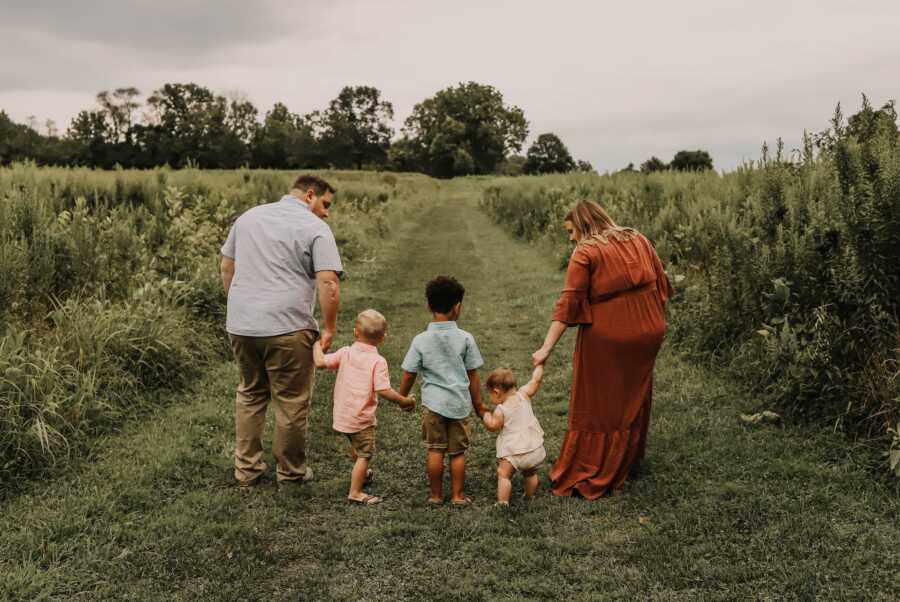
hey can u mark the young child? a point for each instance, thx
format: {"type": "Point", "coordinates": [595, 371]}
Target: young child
{"type": "Point", "coordinates": [361, 373]}
{"type": "Point", "coordinates": [520, 444]}
{"type": "Point", "coordinates": [448, 360]}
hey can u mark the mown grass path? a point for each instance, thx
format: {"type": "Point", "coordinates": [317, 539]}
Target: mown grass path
{"type": "Point", "coordinates": [721, 512]}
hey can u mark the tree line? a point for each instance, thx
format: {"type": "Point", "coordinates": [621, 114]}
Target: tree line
{"type": "Point", "coordinates": [461, 130]}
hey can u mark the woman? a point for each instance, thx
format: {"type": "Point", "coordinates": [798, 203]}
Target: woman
{"type": "Point", "coordinates": [616, 292]}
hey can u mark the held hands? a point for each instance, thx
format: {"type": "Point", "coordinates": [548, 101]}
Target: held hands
{"type": "Point", "coordinates": [408, 404]}
{"type": "Point", "coordinates": [539, 357]}
{"type": "Point", "coordinates": [480, 409]}
{"type": "Point", "coordinates": [326, 337]}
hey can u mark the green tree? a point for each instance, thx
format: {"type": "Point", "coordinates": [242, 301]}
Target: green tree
{"type": "Point", "coordinates": [464, 129]}
{"type": "Point", "coordinates": [584, 166]}
{"type": "Point", "coordinates": [355, 128]}
{"type": "Point", "coordinates": [91, 133]}
{"type": "Point", "coordinates": [193, 124]}
{"type": "Point", "coordinates": [119, 107]}
{"type": "Point", "coordinates": [697, 160]}
{"type": "Point", "coordinates": [403, 155]}
{"type": "Point", "coordinates": [514, 165]}
{"type": "Point", "coordinates": [548, 154]}
{"type": "Point", "coordinates": [869, 123]}
{"type": "Point", "coordinates": [285, 141]}
{"type": "Point", "coordinates": [17, 141]}
{"type": "Point", "coordinates": [653, 164]}
{"type": "Point", "coordinates": [232, 147]}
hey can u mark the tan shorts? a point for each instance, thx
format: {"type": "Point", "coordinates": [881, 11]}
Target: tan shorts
{"type": "Point", "coordinates": [528, 462]}
{"type": "Point", "coordinates": [445, 434]}
{"type": "Point", "coordinates": [363, 442]}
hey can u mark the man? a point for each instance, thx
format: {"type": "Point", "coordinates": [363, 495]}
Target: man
{"type": "Point", "coordinates": [274, 259]}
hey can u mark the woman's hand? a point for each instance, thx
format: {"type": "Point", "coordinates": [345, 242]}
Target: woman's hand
{"type": "Point", "coordinates": [540, 356]}
{"type": "Point", "coordinates": [555, 331]}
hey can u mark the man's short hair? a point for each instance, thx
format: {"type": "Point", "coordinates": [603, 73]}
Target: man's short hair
{"type": "Point", "coordinates": [501, 378]}
{"type": "Point", "coordinates": [443, 293]}
{"type": "Point", "coordinates": [317, 184]}
{"type": "Point", "coordinates": [371, 324]}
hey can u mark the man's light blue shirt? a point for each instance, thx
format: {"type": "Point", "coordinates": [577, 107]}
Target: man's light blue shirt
{"type": "Point", "coordinates": [277, 249]}
{"type": "Point", "coordinates": [443, 355]}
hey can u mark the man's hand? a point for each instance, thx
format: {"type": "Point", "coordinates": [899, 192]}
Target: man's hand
{"type": "Point", "coordinates": [326, 337]}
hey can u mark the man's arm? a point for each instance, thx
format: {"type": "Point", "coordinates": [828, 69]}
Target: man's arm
{"type": "Point", "coordinates": [407, 382]}
{"type": "Point", "coordinates": [329, 301]}
{"type": "Point", "coordinates": [475, 392]}
{"type": "Point", "coordinates": [227, 269]}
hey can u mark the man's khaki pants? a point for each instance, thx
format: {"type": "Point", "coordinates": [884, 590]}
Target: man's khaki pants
{"type": "Point", "coordinates": [280, 368]}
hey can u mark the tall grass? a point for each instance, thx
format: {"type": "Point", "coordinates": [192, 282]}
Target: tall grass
{"type": "Point", "coordinates": [110, 290]}
{"type": "Point", "coordinates": [788, 270]}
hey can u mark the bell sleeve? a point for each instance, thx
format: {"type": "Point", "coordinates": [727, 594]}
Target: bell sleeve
{"type": "Point", "coordinates": [666, 291]}
{"type": "Point", "coordinates": [572, 307]}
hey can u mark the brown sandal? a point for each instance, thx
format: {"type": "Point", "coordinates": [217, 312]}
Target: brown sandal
{"type": "Point", "coordinates": [366, 500]}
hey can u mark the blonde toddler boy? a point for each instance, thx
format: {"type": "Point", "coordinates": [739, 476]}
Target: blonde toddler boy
{"type": "Point", "coordinates": [362, 374]}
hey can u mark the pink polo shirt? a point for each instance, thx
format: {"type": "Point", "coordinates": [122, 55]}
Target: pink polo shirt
{"type": "Point", "coordinates": [360, 372]}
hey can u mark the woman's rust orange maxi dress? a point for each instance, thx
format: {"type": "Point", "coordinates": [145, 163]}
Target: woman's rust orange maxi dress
{"type": "Point", "coordinates": [616, 292]}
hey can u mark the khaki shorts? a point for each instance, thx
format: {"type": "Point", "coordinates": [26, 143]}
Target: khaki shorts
{"type": "Point", "coordinates": [445, 434]}
{"type": "Point", "coordinates": [528, 462]}
{"type": "Point", "coordinates": [363, 442]}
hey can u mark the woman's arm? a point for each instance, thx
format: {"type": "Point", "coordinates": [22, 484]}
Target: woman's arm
{"type": "Point", "coordinates": [572, 307]}
{"type": "Point", "coordinates": [554, 333]}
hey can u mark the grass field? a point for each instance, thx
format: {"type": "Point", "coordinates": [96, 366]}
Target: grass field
{"type": "Point", "coordinates": [721, 511]}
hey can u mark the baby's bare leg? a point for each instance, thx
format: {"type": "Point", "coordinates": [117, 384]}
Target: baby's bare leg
{"type": "Point", "coordinates": [434, 466]}
{"type": "Point", "coordinates": [505, 471]}
{"type": "Point", "coordinates": [531, 483]}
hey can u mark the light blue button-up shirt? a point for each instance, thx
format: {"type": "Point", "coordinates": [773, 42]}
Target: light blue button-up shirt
{"type": "Point", "coordinates": [277, 250]}
{"type": "Point", "coordinates": [443, 355]}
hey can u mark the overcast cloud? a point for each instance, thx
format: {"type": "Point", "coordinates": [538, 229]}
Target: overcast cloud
{"type": "Point", "coordinates": [617, 83]}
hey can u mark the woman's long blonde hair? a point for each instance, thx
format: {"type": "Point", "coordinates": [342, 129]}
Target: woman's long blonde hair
{"type": "Point", "coordinates": [595, 225]}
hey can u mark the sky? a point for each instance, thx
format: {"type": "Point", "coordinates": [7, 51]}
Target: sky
{"type": "Point", "coordinates": [617, 81]}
